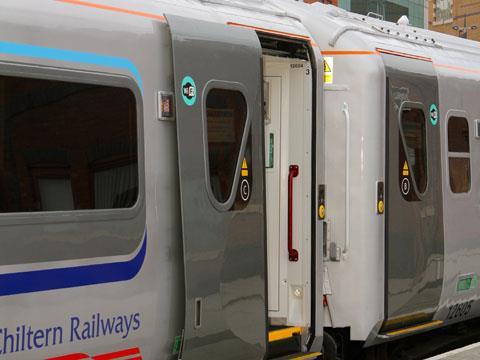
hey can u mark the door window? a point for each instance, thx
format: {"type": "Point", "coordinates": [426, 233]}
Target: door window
{"type": "Point", "coordinates": [226, 119]}
{"type": "Point", "coordinates": [415, 145]}
{"type": "Point", "coordinates": [459, 154]}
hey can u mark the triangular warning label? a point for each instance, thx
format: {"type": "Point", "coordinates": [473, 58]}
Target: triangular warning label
{"type": "Point", "coordinates": [405, 171]}
{"type": "Point", "coordinates": [244, 168]}
{"type": "Point", "coordinates": [326, 67]}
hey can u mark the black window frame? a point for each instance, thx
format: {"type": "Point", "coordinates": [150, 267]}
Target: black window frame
{"type": "Point", "coordinates": [38, 237]}
{"type": "Point", "coordinates": [228, 205]}
{"type": "Point", "coordinates": [456, 154]}
{"type": "Point", "coordinates": [407, 105]}
{"type": "Point", "coordinates": [93, 78]}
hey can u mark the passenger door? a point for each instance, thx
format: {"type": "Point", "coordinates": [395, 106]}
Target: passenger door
{"type": "Point", "coordinates": [414, 223]}
{"type": "Point", "coordinates": [219, 129]}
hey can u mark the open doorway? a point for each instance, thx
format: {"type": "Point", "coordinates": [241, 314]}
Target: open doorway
{"type": "Point", "coordinates": [287, 73]}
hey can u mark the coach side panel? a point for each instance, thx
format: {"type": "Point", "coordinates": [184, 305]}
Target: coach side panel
{"type": "Point", "coordinates": [97, 269]}
{"type": "Point", "coordinates": [459, 114]}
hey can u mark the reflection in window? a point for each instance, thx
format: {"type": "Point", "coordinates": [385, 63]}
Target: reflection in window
{"type": "Point", "coordinates": [60, 141]}
{"type": "Point", "coordinates": [414, 134]}
{"type": "Point", "coordinates": [56, 194]}
{"type": "Point", "coordinates": [458, 139]}
{"type": "Point", "coordinates": [115, 186]}
{"type": "Point", "coordinates": [443, 10]}
{"type": "Point", "coordinates": [226, 118]}
{"type": "Point", "coordinates": [459, 154]}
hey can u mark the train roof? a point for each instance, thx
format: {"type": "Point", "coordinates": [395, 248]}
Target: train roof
{"type": "Point", "coordinates": [331, 28]}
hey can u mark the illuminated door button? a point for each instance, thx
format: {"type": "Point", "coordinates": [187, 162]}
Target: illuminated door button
{"type": "Point", "coordinates": [381, 207]}
{"type": "Point", "coordinates": [321, 212]}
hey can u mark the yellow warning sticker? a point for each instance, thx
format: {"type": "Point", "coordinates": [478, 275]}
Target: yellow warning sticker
{"type": "Point", "coordinates": [405, 172]}
{"type": "Point", "coordinates": [244, 168]}
{"type": "Point", "coordinates": [328, 70]}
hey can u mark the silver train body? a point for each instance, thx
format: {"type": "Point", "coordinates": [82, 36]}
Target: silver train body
{"type": "Point", "coordinates": [155, 153]}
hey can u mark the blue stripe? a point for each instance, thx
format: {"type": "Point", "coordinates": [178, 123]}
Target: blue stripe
{"type": "Point", "coordinates": [40, 52]}
{"type": "Point", "coordinates": [63, 278]}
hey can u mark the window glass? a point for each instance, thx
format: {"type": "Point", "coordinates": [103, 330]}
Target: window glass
{"type": "Point", "coordinates": [56, 194]}
{"type": "Point", "coordinates": [414, 133]}
{"type": "Point", "coordinates": [459, 154]}
{"type": "Point", "coordinates": [459, 174]}
{"type": "Point", "coordinates": [458, 139]}
{"type": "Point", "coordinates": [443, 10]}
{"type": "Point", "coordinates": [59, 139]}
{"type": "Point", "coordinates": [226, 118]}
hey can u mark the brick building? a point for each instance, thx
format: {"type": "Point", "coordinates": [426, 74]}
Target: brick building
{"type": "Point", "coordinates": [455, 17]}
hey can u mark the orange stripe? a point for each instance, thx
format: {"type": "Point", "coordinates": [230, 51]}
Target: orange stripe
{"type": "Point", "coordinates": [406, 55]}
{"type": "Point", "coordinates": [115, 9]}
{"type": "Point", "coordinates": [458, 68]}
{"type": "Point", "coordinates": [348, 52]}
{"type": "Point", "coordinates": [270, 31]}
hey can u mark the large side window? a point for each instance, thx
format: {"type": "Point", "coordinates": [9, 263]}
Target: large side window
{"type": "Point", "coordinates": [413, 124]}
{"type": "Point", "coordinates": [459, 154]}
{"type": "Point", "coordinates": [226, 119]}
{"type": "Point", "coordinates": [66, 146]}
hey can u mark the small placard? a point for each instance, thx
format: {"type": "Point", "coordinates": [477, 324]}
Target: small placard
{"type": "Point", "coordinates": [165, 105]}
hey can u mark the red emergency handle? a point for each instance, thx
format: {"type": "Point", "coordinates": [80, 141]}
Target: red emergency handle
{"type": "Point", "coordinates": [293, 173]}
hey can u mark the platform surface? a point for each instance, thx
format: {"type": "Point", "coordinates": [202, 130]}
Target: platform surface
{"type": "Point", "coordinates": [470, 352]}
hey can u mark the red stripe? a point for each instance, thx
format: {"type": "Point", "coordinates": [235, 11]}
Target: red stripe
{"type": "Point", "coordinates": [270, 31]}
{"type": "Point", "coordinates": [406, 55]}
{"type": "Point", "coordinates": [348, 52]}
{"type": "Point", "coordinates": [117, 354]}
{"type": "Point", "coordinates": [71, 357]}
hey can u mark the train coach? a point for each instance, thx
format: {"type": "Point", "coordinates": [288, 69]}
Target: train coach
{"type": "Point", "coordinates": [221, 179]}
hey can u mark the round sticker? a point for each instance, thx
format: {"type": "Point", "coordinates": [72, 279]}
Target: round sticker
{"type": "Point", "coordinates": [405, 186]}
{"type": "Point", "coordinates": [245, 190]}
{"type": "Point", "coordinates": [433, 114]}
{"type": "Point", "coordinates": [189, 91]}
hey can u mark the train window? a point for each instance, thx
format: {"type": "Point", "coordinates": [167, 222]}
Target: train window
{"type": "Point", "coordinates": [66, 146]}
{"type": "Point", "coordinates": [459, 154]}
{"type": "Point", "coordinates": [414, 134]}
{"type": "Point", "coordinates": [226, 119]}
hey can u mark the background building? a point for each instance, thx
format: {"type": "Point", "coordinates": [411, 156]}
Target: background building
{"type": "Point", "coordinates": [455, 17]}
{"type": "Point", "coordinates": [391, 10]}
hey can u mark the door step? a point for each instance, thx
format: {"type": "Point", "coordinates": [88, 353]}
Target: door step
{"type": "Point", "coordinates": [284, 341]}
{"type": "Point", "coordinates": [283, 334]}
{"type": "Point", "coordinates": [285, 344]}
{"type": "Point", "coordinates": [301, 356]}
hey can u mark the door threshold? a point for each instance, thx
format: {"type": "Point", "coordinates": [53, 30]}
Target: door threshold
{"type": "Point", "coordinates": [412, 329]}
{"type": "Point", "coordinates": [284, 334]}
{"type": "Point", "coordinates": [301, 356]}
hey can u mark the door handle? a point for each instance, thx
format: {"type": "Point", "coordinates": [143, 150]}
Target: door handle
{"type": "Point", "coordinates": [293, 173]}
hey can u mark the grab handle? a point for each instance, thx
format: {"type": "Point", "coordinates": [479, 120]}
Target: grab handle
{"type": "Point", "coordinates": [293, 173]}
{"type": "Point", "coordinates": [346, 113]}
